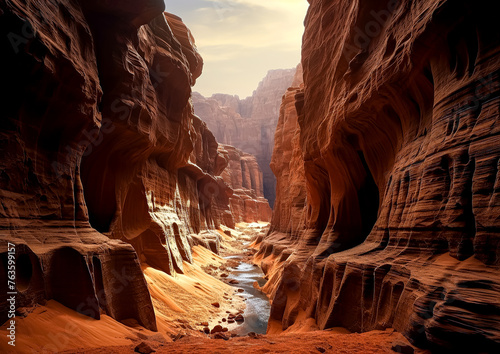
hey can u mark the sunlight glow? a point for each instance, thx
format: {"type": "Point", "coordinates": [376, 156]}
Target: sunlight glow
{"type": "Point", "coordinates": [240, 40]}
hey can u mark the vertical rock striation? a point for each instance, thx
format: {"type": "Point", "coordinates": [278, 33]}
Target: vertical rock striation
{"type": "Point", "coordinates": [396, 136]}
{"type": "Point", "coordinates": [244, 176]}
{"type": "Point", "coordinates": [287, 163]}
{"type": "Point", "coordinates": [104, 164]}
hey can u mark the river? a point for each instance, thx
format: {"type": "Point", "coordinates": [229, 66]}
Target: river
{"type": "Point", "coordinates": [258, 308]}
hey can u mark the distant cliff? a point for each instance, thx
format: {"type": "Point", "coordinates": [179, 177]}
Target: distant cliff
{"type": "Point", "coordinates": [245, 178]}
{"type": "Point", "coordinates": [249, 124]}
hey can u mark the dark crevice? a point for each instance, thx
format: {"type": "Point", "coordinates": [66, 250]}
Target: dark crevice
{"type": "Point", "coordinates": [368, 199]}
{"type": "Point", "coordinates": [24, 272]}
{"type": "Point", "coordinates": [99, 284]}
{"type": "Point", "coordinates": [70, 282]}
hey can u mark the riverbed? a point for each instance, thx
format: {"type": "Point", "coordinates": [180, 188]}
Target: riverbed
{"type": "Point", "coordinates": [258, 308]}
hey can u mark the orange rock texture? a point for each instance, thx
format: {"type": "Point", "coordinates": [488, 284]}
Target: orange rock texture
{"type": "Point", "coordinates": [104, 164]}
{"type": "Point", "coordinates": [388, 204]}
{"type": "Point", "coordinates": [249, 124]}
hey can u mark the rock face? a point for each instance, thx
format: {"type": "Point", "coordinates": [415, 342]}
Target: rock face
{"type": "Point", "coordinates": [244, 176]}
{"type": "Point", "coordinates": [249, 124]}
{"type": "Point", "coordinates": [394, 143]}
{"type": "Point", "coordinates": [104, 165]}
{"type": "Point", "coordinates": [287, 163]}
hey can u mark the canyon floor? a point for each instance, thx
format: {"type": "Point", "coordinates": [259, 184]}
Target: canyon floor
{"type": "Point", "coordinates": [186, 306]}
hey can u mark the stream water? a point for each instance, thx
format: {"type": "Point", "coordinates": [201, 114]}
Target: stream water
{"type": "Point", "coordinates": [258, 307]}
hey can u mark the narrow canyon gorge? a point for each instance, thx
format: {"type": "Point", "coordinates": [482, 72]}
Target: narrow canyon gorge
{"type": "Point", "coordinates": [351, 204]}
{"type": "Point", "coordinates": [249, 124]}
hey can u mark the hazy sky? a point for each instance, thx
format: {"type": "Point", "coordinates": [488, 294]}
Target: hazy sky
{"type": "Point", "coordinates": [240, 40]}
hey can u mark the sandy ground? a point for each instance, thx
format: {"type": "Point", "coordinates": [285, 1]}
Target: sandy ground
{"type": "Point", "coordinates": [184, 305]}
{"type": "Point", "coordinates": [311, 342]}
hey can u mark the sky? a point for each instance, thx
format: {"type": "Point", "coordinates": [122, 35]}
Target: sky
{"type": "Point", "coordinates": [241, 40]}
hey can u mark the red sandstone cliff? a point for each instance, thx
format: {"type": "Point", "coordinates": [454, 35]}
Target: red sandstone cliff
{"type": "Point", "coordinates": [104, 165]}
{"type": "Point", "coordinates": [244, 176]}
{"type": "Point", "coordinates": [287, 163]}
{"type": "Point", "coordinates": [249, 124]}
{"type": "Point", "coordinates": [394, 142]}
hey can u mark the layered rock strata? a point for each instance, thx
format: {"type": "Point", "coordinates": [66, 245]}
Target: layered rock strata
{"type": "Point", "coordinates": [394, 216]}
{"type": "Point", "coordinates": [244, 176]}
{"type": "Point", "coordinates": [104, 165]}
{"type": "Point", "coordinates": [249, 124]}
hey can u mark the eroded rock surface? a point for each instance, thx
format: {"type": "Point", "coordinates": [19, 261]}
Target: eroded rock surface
{"type": "Point", "coordinates": [396, 132]}
{"type": "Point", "coordinates": [244, 176]}
{"type": "Point", "coordinates": [249, 124]}
{"type": "Point", "coordinates": [104, 164]}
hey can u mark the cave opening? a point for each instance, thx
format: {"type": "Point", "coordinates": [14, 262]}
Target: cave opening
{"type": "Point", "coordinates": [70, 282]}
{"type": "Point", "coordinates": [24, 272]}
{"type": "Point", "coordinates": [99, 191]}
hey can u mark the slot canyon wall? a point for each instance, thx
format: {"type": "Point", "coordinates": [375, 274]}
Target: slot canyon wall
{"type": "Point", "coordinates": [388, 204]}
{"type": "Point", "coordinates": [249, 124]}
{"type": "Point", "coordinates": [104, 164]}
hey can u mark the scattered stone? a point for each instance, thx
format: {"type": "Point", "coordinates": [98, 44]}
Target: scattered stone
{"type": "Point", "coordinates": [240, 290]}
{"type": "Point", "coordinates": [227, 232]}
{"type": "Point", "coordinates": [219, 335]}
{"type": "Point", "coordinates": [230, 320]}
{"type": "Point", "coordinates": [224, 275]}
{"type": "Point", "coordinates": [401, 347]}
{"type": "Point", "coordinates": [216, 329]}
{"type": "Point", "coordinates": [239, 318]}
{"type": "Point", "coordinates": [233, 281]}
{"type": "Point", "coordinates": [144, 348]}
{"type": "Point", "coordinates": [206, 330]}
{"type": "Point", "coordinates": [254, 335]}
{"type": "Point", "coordinates": [216, 304]}
{"type": "Point", "coordinates": [224, 320]}
{"type": "Point", "coordinates": [205, 324]}
{"type": "Point", "coordinates": [225, 329]}
{"type": "Point", "coordinates": [321, 349]}
{"type": "Point", "coordinates": [231, 315]}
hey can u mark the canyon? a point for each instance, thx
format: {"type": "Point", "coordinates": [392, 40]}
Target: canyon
{"type": "Point", "coordinates": [124, 195]}
{"type": "Point", "coordinates": [249, 124]}
{"type": "Point", "coordinates": [387, 158]}
{"type": "Point", "coordinates": [105, 167]}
